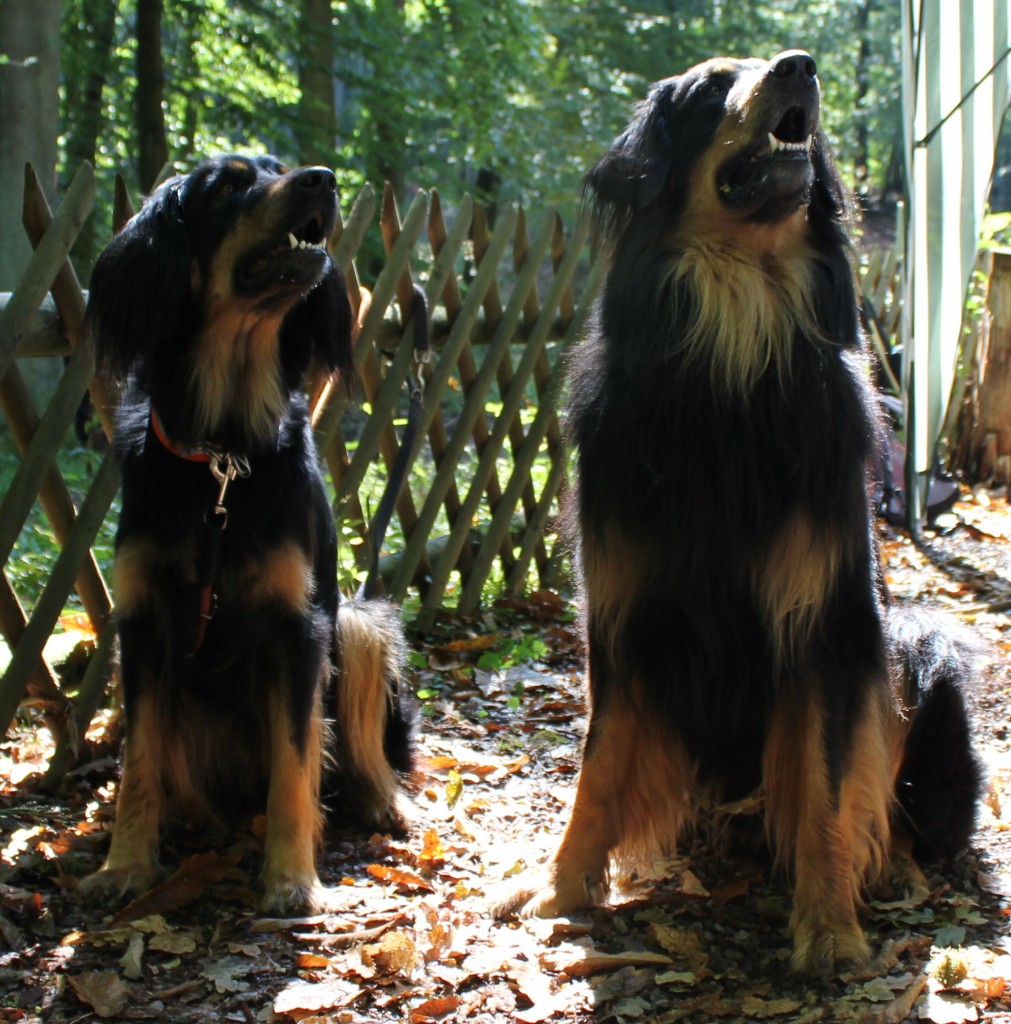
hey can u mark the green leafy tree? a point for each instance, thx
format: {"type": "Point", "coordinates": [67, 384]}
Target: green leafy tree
{"type": "Point", "coordinates": [512, 101]}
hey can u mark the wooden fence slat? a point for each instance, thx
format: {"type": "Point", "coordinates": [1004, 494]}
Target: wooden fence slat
{"type": "Point", "coordinates": [385, 287]}
{"type": "Point", "coordinates": [54, 496]}
{"type": "Point", "coordinates": [445, 471]}
{"type": "Point", "coordinates": [44, 264]}
{"type": "Point", "coordinates": [389, 228]}
{"type": "Point", "coordinates": [67, 296]}
{"type": "Point", "coordinates": [76, 551]}
{"type": "Point", "coordinates": [532, 538]}
{"type": "Point", "coordinates": [82, 709]}
{"type": "Point", "coordinates": [39, 454]}
{"type": "Point", "coordinates": [353, 231]}
{"type": "Point", "coordinates": [12, 625]}
{"type": "Point", "coordinates": [482, 236]}
{"type": "Point", "coordinates": [531, 313]}
{"type": "Point", "coordinates": [122, 204]}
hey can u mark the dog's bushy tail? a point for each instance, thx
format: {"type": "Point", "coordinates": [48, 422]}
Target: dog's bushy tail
{"type": "Point", "coordinates": [940, 779]}
{"type": "Point", "coordinates": [372, 723]}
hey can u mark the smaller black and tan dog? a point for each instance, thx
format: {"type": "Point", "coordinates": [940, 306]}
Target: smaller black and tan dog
{"type": "Point", "coordinates": [213, 304]}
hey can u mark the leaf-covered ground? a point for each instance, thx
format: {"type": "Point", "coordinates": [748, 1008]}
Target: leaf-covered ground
{"type": "Point", "coordinates": [702, 938]}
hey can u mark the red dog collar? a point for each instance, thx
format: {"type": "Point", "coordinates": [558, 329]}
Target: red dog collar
{"type": "Point", "coordinates": [190, 453]}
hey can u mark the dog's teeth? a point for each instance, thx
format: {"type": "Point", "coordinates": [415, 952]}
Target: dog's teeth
{"type": "Point", "coordinates": [778, 145]}
{"type": "Point", "coordinates": [292, 240]}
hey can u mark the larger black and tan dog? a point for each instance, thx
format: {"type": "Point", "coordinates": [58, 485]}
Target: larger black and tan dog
{"type": "Point", "coordinates": [737, 629]}
{"type": "Point", "coordinates": [215, 301]}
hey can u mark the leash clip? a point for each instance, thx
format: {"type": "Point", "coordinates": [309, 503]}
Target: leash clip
{"type": "Point", "coordinates": [225, 467]}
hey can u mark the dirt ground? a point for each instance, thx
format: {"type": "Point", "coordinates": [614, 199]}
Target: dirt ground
{"type": "Point", "coordinates": [702, 938]}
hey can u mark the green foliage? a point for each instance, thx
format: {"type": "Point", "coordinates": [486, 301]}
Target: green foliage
{"type": "Point", "coordinates": [513, 101]}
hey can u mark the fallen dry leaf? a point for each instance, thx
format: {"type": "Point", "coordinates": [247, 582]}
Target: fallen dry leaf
{"type": "Point", "coordinates": [228, 974]}
{"type": "Point", "coordinates": [433, 1009]}
{"type": "Point", "coordinates": [405, 880]}
{"type": "Point", "coordinates": [304, 997]}
{"type": "Point", "coordinates": [175, 943]}
{"type": "Point", "coordinates": [764, 1009]}
{"type": "Point", "coordinates": [579, 963]}
{"type": "Point", "coordinates": [681, 943]}
{"type": "Point", "coordinates": [395, 953]}
{"type": "Point", "coordinates": [103, 991]}
{"type": "Point", "coordinates": [433, 852]}
{"type": "Point", "coordinates": [946, 1008]}
{"type": "Point", "coordinates": [732, 890]}
{"type": "Point", "coordinates": [131, 960]}
{"type": "Point", "coordinates": [189, 882]}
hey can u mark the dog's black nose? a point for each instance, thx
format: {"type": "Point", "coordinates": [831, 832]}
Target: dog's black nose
{"type": "Point", "coordinates": [797, 64]}
{"type": "Point", "coordinates": [316, 179]}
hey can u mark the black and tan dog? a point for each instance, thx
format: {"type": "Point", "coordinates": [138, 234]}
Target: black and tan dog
{"type": "Point", "coordinates": [214, 303]}
{"type": "Point", "coordinates": [738, 632]}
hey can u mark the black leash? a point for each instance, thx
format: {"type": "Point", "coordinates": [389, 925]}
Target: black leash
{"type": "Point", "coordinates": [372, 585]}
{"type": "Point", "coordinates": [225, 467]}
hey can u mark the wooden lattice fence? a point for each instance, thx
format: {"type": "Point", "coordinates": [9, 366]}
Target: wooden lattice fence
{"type": "Point", "coordinates": [487, 462]}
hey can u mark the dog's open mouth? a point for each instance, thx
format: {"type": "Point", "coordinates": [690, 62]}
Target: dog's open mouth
{"type": "Point", "coordinates": [310, 235]}
{"type": "Point", "coordinates": [294, 258]}
{"type": "Point", "coordinates": [777, 168]}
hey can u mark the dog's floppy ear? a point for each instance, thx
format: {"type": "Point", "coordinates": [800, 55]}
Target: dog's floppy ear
{"type": "Point", "coordinates": [828, 194]}
{"type": "Point", "coordinates": [834, 296]}
{"type": "Point", "coordinates": [139, 285]}
{"type": "Point", "coordinates": [320, 327]}
{"type": "Point", "coordinates": [634, 171]}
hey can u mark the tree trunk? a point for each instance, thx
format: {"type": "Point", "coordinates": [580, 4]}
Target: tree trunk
{"type": "Point", "coordinates": [29, 128]}
{"type": "Point", "coordinates": [983, 451]}
{"type": "Point", "coordinates": [389, 127]}
{"type": "Point", "coordinates": [152, 146]}
{"type": "Point", "coordinates": [861, 156]}
{"type": "Point", "coordinates": [190, 18]}
{"type": "Point", "coordinates": [84, 85]}
{"type": "Point", "coordinates": [29, 117]}
{"type": "Point", "coordinates": [316, 128]}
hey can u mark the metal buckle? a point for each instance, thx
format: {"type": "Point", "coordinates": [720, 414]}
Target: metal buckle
{"type": "Point", "coordinates": [225, 467]}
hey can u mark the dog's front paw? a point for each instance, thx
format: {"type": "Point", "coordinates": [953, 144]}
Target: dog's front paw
{"type": "Point", "coordinates": [823, 948]}
{"type": "Point", "coordinates": [113, 885]}
{"type": "Point", "coordinates": [546, 895]}
{"type": "Point", "coordinates": [293, 897]}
